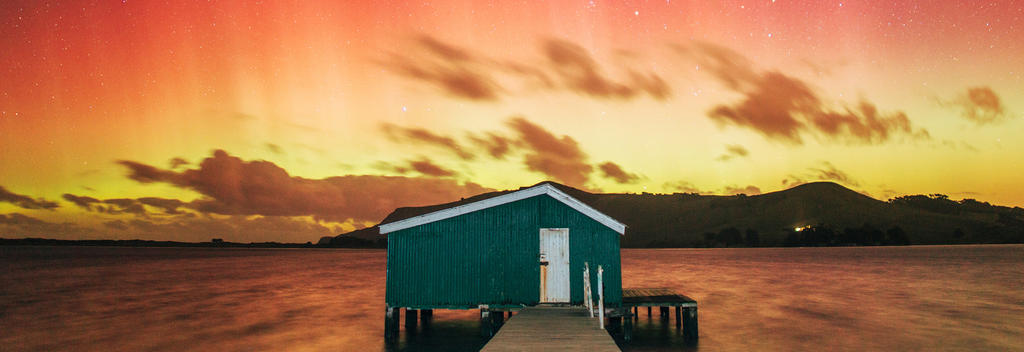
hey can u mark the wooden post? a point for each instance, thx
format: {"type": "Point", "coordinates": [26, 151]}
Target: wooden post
{"type": "Point", "coordinates": [664, 312]}
{"type": "Point", "coordinates": [636, 314]}
{"type": "Point", "coordinates": [391, 323]}
{"type": "Point", "coordinates": [588, 301]}
{"type": "Point", "coordinates": [679, 317]}
{"type": "Point", "coordinates": [648, 312]}
{"type": "Point", "coordinates": [497, 320]}
{"type": "Point", "coordinates": [690, 324]}
{"type": "Point", "coordinates": [485, 322]}
{"type": "Point", "coordinates": [627, 332]}
{"type": "Point", "coordinates": [411, 317]}
{"type": "Point", "coordinates": [615, 323]}
{"type": "Point", "coordinates": [427, 318]}
{"type": "Point", "coordinates": [600, 295]}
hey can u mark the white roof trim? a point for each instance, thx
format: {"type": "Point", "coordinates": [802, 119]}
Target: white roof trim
{"type": "Point", "coordinates": [503, 199]}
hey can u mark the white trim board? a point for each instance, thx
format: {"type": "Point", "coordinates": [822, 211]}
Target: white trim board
{"type": "Point", "coordinates": [503, 199]}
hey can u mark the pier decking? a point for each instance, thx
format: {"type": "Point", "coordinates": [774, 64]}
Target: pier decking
{"type": "Point", "coordinates": [663, 298]}
{"type": "Point", "coordinates": [551, 329]}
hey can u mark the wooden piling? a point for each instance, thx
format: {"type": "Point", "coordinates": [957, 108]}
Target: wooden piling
{"type": "Point", "coordinates": [411, 317]}
{"type": "Point", "coordinates": [679, 317]}
{"type": "Point", "coordinates": [391, 316]}
{"type": "Point", "coordinates": [627, 330]}
{"type": "Point", "coordinates": [614, 324]}
{"type": "Point", "coordinates": [497, 320]}
{"type": "Point", "coordinates": [663, 298]}
{"type": "Point", "coordinates": [486, 329]}
{"type": "Point", "coordinates": [426, 316]}
{"type": "Point", "coordinates": [690, 324]}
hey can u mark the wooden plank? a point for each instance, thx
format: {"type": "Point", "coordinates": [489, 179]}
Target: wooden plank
{"type": "Point", "coordinates": [655, 297]}
{"type": "Point", "coordinates": [551, 329]}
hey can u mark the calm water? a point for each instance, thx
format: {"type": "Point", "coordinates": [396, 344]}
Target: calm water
{"type": "Point", "coordinates": [171, 299]}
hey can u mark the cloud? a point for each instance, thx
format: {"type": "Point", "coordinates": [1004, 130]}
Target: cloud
{"type": "Point", "coordinates": [496, 145]}
{"type": "Point", "coordinates": [84, 202]}
{"type": "Point", "coordinates": [232, 186]}
{"type": "Point", "coordinates": [273, 148]}
{"type": "Point", "coordinates": [615, 172]}
{"type": "Point", "coordinates": [450, 69]}
{"type": "Point", "coordinates": [733, 151]}
{"type": "Point", "coordinates": [464, 74]}
{"type": "Point", "coordinates": [196, 229]}
{"type": "Point", "coordinates": [784, 108]}
{"type": "Point", "coordinates": [749, 190]}
{"type": "Point", "coordinates": [423, 166]}
{"type": "Point", "coordinates": [422, 136]}
{"type": "Point", "coordinates": [824, 172]}
{"type": "Point", "coordinates": [580, 73]}
{"type": "Point", "coordinates": [15, 224]}
{"type": "Point", "coordinates": [26, 202]}
{"type": "Point", "coordinates": [169, 206]}
{"type": "Point", "coordinates": [233, 228]}
{"type": "Point", "coordinates": [19, 219]}
{"type": "Point", "coordinates": [687, 187]}
{"type": "Point", "coordinates": [176, 162]}
{"type": "Point", "coordinates": [981, 105]}
{"type": "Point", "coordinates": [127, 205]}
{"type": "Point", "coordinates": [681, 186]}
{"type": "Point", "coordinates": [124, 205]}
{"type": "Point", "coordinates": [557, 157]}
{"type": "Point", "coordinates": [427, 167]}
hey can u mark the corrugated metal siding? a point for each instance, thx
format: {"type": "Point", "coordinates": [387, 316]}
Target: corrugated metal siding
{"type": "Point", "coordinates": [490, 257]}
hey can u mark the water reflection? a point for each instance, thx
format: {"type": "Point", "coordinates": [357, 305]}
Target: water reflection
{"type": "Point", "coordinates": [452, 333]}
{"type": "Point", "coordinates": [766, 299]}
{"type": "Point", "coordinates": [653, 331]}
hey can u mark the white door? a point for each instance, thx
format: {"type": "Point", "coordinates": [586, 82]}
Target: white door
{"type": "Point", "coordinates": [554, 265]}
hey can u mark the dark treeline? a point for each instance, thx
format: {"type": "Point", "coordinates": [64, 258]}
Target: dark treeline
{"type": "Point", "coordinates": [810, 236]}
{"type": "Point", "coordinates": [352, 242]}
{"type": "Point", "coordinates": [215, 243]}
{"type": "Point", "coordinates": [940, 203]}
{"type": "Point", "coordinates": [866, 235]}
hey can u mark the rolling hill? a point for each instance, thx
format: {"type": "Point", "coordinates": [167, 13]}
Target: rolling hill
{"type": "Point", "coordinates": [693, 220]}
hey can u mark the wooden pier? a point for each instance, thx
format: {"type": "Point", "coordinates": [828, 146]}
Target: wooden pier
{"type": "Point", "coordinates": [551, 329]}
{"type": "Point", "coordinates": [665, 299]}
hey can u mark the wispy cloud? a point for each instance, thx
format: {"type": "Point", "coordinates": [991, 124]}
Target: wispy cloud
{"type": "Point", "coordinates": [615, 172]}
{"type": "Point", "coordinates": [784, 108]}
{"type": "Point", "coordinates": [462, 73]}
{"type": "Point", "coordinates": [824, 171]}
{"type": "Point", "coordinates": [232, 186]}
{"type": "Point", "coordinates": [423, 136]}
{"type": "Point", "coordinates": [26, 202]}
{"type": "Point", "coordinates": [980, 105]}
{"type": "Point", "coordinates": [733, 151]}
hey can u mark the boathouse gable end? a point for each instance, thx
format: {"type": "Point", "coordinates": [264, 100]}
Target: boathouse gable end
{"type": "Point", "coordinates": [490, 256]}
{"type": "Point", "coordinates": [502, 199]}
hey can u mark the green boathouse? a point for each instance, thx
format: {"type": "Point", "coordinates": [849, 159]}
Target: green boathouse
{"type": "Point", "coordinates": [516, 249]}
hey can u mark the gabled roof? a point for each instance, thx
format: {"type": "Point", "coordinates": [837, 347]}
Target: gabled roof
{"type": "Point", "coordinates": [537, 190]}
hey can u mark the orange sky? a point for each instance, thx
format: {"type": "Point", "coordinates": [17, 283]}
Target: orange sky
{"type": "Point", "coordinates": [329, 114]}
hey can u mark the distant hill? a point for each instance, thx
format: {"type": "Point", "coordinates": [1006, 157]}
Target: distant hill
{"type": "Point", "coordinates": [833, 214]}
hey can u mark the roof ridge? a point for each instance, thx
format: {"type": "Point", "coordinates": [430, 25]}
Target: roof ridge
{"type": "Point", "coordinates": [543, 188]}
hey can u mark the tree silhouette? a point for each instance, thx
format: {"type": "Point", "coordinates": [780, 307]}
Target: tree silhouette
{"type": "Point", "coordinates": [753, 238]}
